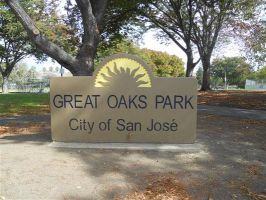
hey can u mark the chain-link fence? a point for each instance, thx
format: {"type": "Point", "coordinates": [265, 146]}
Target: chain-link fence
{"type": "Point", "coordinates": [29, 86]}
{"type": "Point", "coordinates": [255, 84]}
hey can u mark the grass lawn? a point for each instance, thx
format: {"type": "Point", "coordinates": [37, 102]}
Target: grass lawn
{"type": "Point", "coordinates": [20, 103]}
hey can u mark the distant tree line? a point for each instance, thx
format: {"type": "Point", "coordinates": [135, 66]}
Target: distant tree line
{"type": "Point", "coordinates": [232, 71]}
{"type": "Point", "coordinates": [21, 74]}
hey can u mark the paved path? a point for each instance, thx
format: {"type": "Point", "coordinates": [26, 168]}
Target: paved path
{"type": "Point", "coordinates": [232, 156]}
{"type": "Point", "coordinates": [24, 119]}
{"type": "Point", "coordinates": [234, 112]}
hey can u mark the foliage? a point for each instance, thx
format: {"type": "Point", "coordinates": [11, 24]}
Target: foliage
{"type": "Point", "coordinates": [91, 13]}
{"type": "Point", "coordinates": [261, 74]}
{"type": "Point", "coordinates": [248, 24]}
{"type": "Point", "coordinates": [162, 64]}
{"type": "Point", "coordinates": [13, 41]}
{"type": "Point", "coordinates": [86, 23]}
{"type": "Point", "coordinates": [235, 69]}
{"type": "Point", "coordinates": [200, 22]}
{"type": "Point", "coordinates": [13, 33]}
{"type": "Point", "coordinates": [258, 75]}
{"type": "Point", "coordinates": [21, 73]}
{"type": "Point", "coordinates": [114, 46]}
{"type": "Point", "coordinates": [117, 22]}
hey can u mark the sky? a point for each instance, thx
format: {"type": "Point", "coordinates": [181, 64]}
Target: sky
{"type": "Point", "coordinates": [151, 42]}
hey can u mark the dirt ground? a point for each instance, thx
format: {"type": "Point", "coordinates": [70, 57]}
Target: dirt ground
{"type": "Point", "coordinates": [232, 164]}
{"type": "Point", "coordinates": [234, 98]}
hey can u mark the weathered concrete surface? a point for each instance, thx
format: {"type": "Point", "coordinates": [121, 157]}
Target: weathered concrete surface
{"type": "Point", "coordinates": [233, 158]}
{"type": "Point", "coordinates": [184, 148]}
{"type": "Point", "coordinates": [234, 112]}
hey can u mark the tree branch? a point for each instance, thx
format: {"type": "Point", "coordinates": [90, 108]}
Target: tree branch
{"type": "Point", "coordinates": [49, 48]}
{"type": "Point", "coordinates": [99, 6]}
{"type": "Point", "coordinates": [195, 63]}
{"type": "Point", "coordinates": [164, 13]}
{"type": "Point", "coordinates": [91, 32]}
{"type": "Point", "coordinates": [168, 33]}
{"type": "Point", "coordinates": [164, 29]}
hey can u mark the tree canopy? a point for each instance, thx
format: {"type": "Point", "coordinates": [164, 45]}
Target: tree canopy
{"type": "Point", "coordinates": [15, 44]}
{"type": "Point", "coordinates": [194, 26]}
{"type": "Point", "coordinates": [247, 25]}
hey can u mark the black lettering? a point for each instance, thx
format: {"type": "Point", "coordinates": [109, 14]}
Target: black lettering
{"type": "Point", "coordinates": [77, 101]}
{"type": "Point", "coordinates": [173, 125]}
{"type": "Point", "coordinates": [142, 102]}
{"type": "Point", "coordinates": [167, 102]}
{"type": "Point", "coordinates": [187, 101]}
{"type": "Point", "coordinates": [71, 124]}
{"type": "Point", "coordinates": [122, 102]}
{"type": "Point", "coordinates": [120, 125]}
{"type": "Point", "coordinates": [158, 100]}
{"type": "Point", "coordinates": [60, 102]}
{"type": "Point", "coordinates": [178, 100]}
{"type": "Point", "coordinates": [109, 102]}
{"type": "Point", "coordinates": [132, 101]}
{"type": "Point", "coordinates": [96, 100]}
{"type": "Point", "coordinates": [166, 126]}
{"type": "Point", "coordinates": [68, 99]}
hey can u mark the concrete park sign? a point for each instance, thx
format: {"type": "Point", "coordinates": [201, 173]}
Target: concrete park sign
{"type": "Point", "coordinates": [123, 102]}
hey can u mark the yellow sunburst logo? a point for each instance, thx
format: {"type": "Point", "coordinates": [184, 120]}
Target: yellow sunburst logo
{"type": "Point", "coordinates": [122, 71]}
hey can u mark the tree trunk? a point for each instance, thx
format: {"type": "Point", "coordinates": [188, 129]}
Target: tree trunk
{"type": "Point", "coordinates": [190, 64]}
{"type": "Point", "coordinates": [85, 67]}
{"type": "Point", "coordinates": [190, 67]}
{"type": "Point", "coordinates": [206, 63]}
{"type": "Point", "coordinates": [5, 85]}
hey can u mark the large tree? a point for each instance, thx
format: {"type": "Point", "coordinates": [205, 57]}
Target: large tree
{"type": "Point", "coordinates": [189, 22]}
{"type": "Point", "coordinates": [90, 23]}
{"type": "Point", "coordinates": [209, 18]}
{"type": "Point", "coordinates": [174, 19]}
{"type": "Point", "coordinates": [92, 12]}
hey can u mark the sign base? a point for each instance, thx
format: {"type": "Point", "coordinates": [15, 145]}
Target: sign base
{"type": "Point", "coordinates": [183, 148]}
